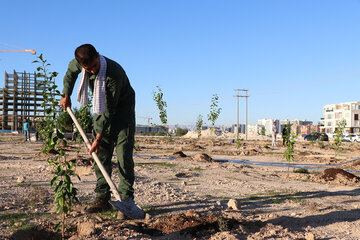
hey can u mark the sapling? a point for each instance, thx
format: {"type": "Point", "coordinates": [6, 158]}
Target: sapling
{"type": "Point", "coordinates": [262, 131]}
{"type": "Point", "coordinates": [289, 143]}
{"type": "Point", "coordinates": [214, 111]}
{"type": "Point", "coordinates": [199, 124]}
{"type": "Point", "coordinates": [161, 104]}
{"type": "Point", "coordinates": [339, 135]}
{"type": "Point", "coordinates": [52, 132]}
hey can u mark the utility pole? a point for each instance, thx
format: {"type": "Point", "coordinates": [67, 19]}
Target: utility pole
{"type": "Point", "coordinates": [246, 97]}
{"type": "Point", "coordinates": [237, 112]}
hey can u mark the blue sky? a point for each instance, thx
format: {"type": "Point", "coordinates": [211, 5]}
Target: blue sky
{"type": "Point", "coordinates": [293, 56]}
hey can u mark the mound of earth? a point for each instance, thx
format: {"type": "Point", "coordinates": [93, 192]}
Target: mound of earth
{"type": "Point", "coordinates": [179, 154]}
{"type": "Point", "coordinates": [249, 152]}
{"type": "Point", "coordinates": [202, 157]}
{"type": "Point", "coordinates": [333, 174]}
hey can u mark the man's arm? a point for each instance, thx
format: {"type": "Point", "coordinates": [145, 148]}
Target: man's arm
{"type": "Point", "coordinates": [70, 77]}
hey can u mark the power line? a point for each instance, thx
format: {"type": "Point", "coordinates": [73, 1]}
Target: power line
{"type": "Point", "coordinates": [246, 111]}
{"type": "Point", "coordinates": [237, 118]}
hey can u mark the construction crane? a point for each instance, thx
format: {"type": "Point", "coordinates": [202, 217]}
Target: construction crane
{"type": "Point", "coordinates": [148, 118]}
{"type": "Point", "coordinates": [32, 51]}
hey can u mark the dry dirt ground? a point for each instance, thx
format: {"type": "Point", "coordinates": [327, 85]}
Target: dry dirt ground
{"type": "Point", "coordinates": [191, 196]}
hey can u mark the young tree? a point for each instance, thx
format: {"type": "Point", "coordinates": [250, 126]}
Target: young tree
{"type": "Point", "coordinates": [339, 135]}
{"type": "Point", "coordinates": [161, 104]}
{"type": "Point", "coordinates": [214, 110]}
{"type": "Point", "coordinates": [52, 132]}
{"type": "Point", "coordinates": [180, 131]}
{"type": "Point", "coordinates": [199, 124]}
{"type": "Point", "coordinates": [262, 131]}
{"type": "Point", "coordinates": [289, 143]}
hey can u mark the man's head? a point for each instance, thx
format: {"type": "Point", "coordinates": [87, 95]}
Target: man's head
{"type": "Point", "coordinates": [88, 58]}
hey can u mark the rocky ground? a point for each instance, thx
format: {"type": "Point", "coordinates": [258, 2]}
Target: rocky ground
{"type": "Point", "coordinates": [192, 189]}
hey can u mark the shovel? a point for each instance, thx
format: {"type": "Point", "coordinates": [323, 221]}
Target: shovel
{"type": "Point", "coordinates": [118, 204]}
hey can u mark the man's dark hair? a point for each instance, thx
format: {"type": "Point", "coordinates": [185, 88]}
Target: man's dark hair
{"type": "Point", "coordinates": [85, 54]}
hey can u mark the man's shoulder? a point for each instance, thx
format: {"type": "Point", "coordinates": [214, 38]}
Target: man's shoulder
{"type": "Point", "coordinates": [114, 69]}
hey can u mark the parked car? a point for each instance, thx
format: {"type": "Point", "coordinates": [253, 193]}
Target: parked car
{"type": "Point", "coordinates": [351, 138]}
{"type": "Point", "coordinates": [317, 136]}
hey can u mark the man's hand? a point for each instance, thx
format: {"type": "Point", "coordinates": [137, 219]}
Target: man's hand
{"type": "Point", "coordinates": [65, 102]}
{"type": "Point", "coordinates": [95, 145]}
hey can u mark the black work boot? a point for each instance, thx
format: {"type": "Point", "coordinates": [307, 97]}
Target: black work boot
{"type": "Point", "coordinates": [101, 204]}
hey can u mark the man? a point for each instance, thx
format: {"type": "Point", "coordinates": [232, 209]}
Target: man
{"type": "Point", "coordinates": [273, 133]}
{"type": "Point", "coordinates": [114, 119]}
{"type": "Point", "coordinates": [26, 129]}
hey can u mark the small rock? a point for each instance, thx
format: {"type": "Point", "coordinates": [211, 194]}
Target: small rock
{"type": "Point", "coordinates": [178, 149]}
{"type": "Point", "coordinates": [183, 183]}
{"type": "Point", "coordinates": [191, 213]}
{"type": "Point", "coordinates": [309, 236]}
{"type": "Point", "coordinates": [86, 228]}
{"type": "Point", "coordinates": [110, 228]}
{"type": "Point", "coordinates": [234, 204]}
{"type": "Point", "coordinates": [20, 179]}
{"type": "Point", "coordinates": [147, 217]}
{"type": "Point", "coordinates": [272, 215]}
{"type": "Point", "coordinates": [18, 224]}
{"type": "Point", "coordinates": [293, 214]}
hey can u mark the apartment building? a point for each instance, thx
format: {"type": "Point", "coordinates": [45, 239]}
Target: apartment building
{"type": "Point", "coordinates": [267, 124]}
{"type": "Point", "coordinates": [333, 113]}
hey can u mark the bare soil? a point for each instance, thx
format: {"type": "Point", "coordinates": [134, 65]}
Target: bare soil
{"type": "Point", "coordinates": [185, 186]}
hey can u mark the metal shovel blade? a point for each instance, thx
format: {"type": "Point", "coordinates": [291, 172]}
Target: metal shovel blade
{"type": "Point", "coordinates": [133, 212]}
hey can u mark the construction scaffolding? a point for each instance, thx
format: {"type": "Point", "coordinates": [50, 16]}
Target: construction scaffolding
{"type": "Point", "coordinates": [21, 99]}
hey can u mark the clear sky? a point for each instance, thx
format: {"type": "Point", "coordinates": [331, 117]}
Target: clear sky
{"type": "Point", "coordinates": [294, 57]}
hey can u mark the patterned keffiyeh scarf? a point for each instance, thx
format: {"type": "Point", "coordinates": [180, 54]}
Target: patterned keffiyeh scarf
{"type": "Point", "coordinates": [99, 88]}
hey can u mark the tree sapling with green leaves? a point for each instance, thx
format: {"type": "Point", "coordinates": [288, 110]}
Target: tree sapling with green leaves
{"type": "Point", "coordinates": [161, 104]}
{"type": "Point", "coordinates": [199, 124]}
{"type": "Point", "coordinates": [339, 135]}
{"type": "Point", "coordinates": [289, 143]}
{"type": "Point", "coordinates": [52, 132]}
{"type": "Point", "coordinates": [214, 111]}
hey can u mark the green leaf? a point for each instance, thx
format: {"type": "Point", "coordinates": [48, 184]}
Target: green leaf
{"type": "Point", "coordinates": [67, 178]}
{"type": "Point", "coordinates": [59, 209]}
{"type": "Point", "coordinates": [61, 201]}
{"type": "Point", "coordinates": [57, 227]}
{"type": "Point", "coordinates": [53, 181]}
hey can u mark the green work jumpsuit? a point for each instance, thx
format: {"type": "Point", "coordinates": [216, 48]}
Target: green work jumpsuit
{"type": "Point", "coordinates": [116, 125]}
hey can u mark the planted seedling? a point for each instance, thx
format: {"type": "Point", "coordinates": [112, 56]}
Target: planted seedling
{"type": "Point", "coordinates": [289, 151]}
{"type": "Point", "coordinates": [214, 111]}
{"type": "Point", "coordinates": [199, 124]}
{"type": "Point", "coordinates": [339, 135]}
{"type": "Point", "coordinates": [161, 105]}
{"type": "Point", "coordinates": [52, 133]}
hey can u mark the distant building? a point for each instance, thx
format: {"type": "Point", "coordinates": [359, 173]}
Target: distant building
{"type": "Point", "coordinates": [143, 129]}
{"type": "Point", "coordinates": [241, 128]}
{"type": "Point", "coordinates": [333, 113]}
{"type": "Point", "coordinates": [253, 129]}
{"type": "Point", "coordinates": [298, 126]}
{"type": "Point", "coordinates": [267, 124]}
